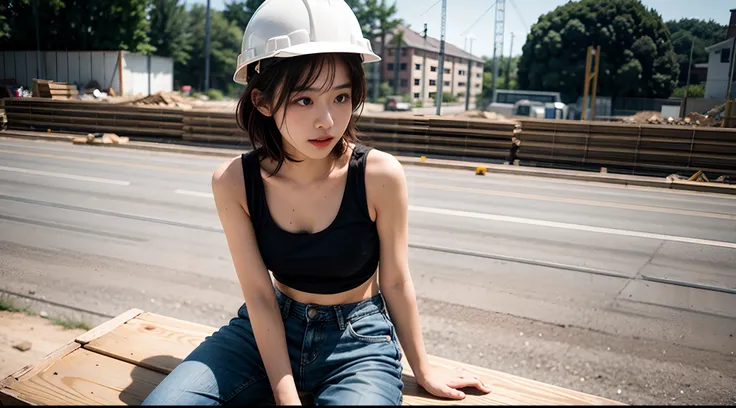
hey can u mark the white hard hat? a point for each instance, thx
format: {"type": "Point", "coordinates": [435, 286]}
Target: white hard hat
{"type": "Point", "coordinates": [289, 28]}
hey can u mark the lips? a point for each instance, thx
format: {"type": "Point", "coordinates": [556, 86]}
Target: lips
{"type": "Point", "coordinates": [322, 141]}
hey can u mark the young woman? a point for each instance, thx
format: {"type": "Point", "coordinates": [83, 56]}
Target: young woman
{"type": "Point", "coordinates": [324, 214]}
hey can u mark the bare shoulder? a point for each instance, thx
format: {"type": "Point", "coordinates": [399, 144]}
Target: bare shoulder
{"type": "Point", "coordinates": [382, 168]}
{"type": "Point", "coordinates": [227, 180]}
{"type": "Point", "coordinates": [385, 182]}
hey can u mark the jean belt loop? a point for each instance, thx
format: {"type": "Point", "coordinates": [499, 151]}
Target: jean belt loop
{"type": "Point", "coordinates": [340, 319]}
{"type": "Point", "coordinates": [285, 309]}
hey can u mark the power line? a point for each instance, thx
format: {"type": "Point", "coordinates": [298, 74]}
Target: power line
{"type": "Point", "coordinates": [516, 10]}
{"type": "Point", "coordinates": [476, 21]}
{"type": "Point", "coordinates": [430, 8]}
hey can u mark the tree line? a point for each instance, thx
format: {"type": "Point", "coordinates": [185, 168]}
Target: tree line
{"type": "Point", "coordinates": [168, 28]}
{"type": "Point", "coordinates": [642, 56]}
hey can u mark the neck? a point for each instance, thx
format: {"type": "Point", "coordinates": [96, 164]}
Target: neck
{"type": "Point", "coordinates": [306, 170]}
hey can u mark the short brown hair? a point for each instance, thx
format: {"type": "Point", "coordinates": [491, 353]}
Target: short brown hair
{"type": "Point", "coordinates": [291, 75]}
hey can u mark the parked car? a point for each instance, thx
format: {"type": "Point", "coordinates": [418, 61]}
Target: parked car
{"type": "Point", "coordinates": [396, 103]}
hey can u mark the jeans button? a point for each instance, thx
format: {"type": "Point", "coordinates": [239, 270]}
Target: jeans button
{"type": "Point", "coordinates": [312, 312]}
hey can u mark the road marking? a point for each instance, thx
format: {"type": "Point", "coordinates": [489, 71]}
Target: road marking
{"type": "Point", "coordinates": [66, 176]}
{"type": "Point", "coordinates": [109, 162]}
{"type": "Point", "coordinates": [579, 201]}
{"type": "Point", "coordinates": [575, 227]}
{"type": "Point", "coordinates": [194, 193]}
{"type": "Point", "coordinates": [542, 182]}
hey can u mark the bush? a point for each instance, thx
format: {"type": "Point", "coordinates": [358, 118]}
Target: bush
{"type": "Point", "coordinates": [385, 90]}
{"type": "Point", "coordinates": [215, 95]}
{"type": "Point", "coordinates": [419, 103]}
{"type": "Point", "coordinates": [447, 97]}
{"type": "Point", "coordinates": [693, 91]}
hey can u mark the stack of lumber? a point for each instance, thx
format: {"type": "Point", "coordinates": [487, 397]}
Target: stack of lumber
{"type": "Point", "coordinates": [54, 90]}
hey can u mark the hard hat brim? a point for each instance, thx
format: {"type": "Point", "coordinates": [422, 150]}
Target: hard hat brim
{"type": "Point", "coordinates": [321, 47]}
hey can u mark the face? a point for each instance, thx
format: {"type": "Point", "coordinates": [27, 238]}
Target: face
{"type": "Point", "coordinates": [315, 119]}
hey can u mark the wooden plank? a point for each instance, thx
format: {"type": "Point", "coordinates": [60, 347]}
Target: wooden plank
{"type": "Point", "coordinates": [158, 346]}
{"type": "Point", "coordinates": [98, 120]}
{"type": "Point", "coordinates": [108, 326]}
{"type": "Point", "coordinates": [33, 369]}
{"type": "Point", "coordinates": [506, 389]}
{"type": "Point", "coordinates": [25, 124]}
{"type": "Point", "coordinates": [84, 377]}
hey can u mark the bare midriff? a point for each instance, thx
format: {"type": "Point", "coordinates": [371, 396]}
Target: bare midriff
{"type": "Point", "coordinates": [365, 291]}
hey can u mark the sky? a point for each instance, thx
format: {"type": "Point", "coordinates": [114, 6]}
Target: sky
{"type": "Point", "coordinates": [519, 16]}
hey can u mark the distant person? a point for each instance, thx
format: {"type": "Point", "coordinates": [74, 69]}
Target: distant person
{"type": "Point", "coordinates": [320, 211]}
{"type": "Point", "coordinates": [514, 151]}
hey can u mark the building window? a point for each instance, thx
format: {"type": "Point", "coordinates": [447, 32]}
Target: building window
{"type": "Point", "coordinates": [726, 56]}
{"type": "Point", "coordinates": [432, 69]}
{"type": "Point", "coordinates": [432, 82]}
{"type": "Point", "coordinates": [416, 82]}
{"type": "Point", "coordinates": [416, 94]}
{"type": "Point", "coordinates": [391, 83]}
{"type": "Point", "coordinates": [461, 72]}
{"type": "Point", "coordinates": [403, 67]}
{"type": "Point", "coordinates": [403, 52]}
{"type": "Point", "coordinates": [477, 75]}
{"type": "Point", "coordinates": [390, 67]}
{"type": "Point", "coordinates": [418, 67]}
{"type": "Point", "coordinates": [447, 70]}
{"type": "Point", "coordinates": [404, 83]}
{"type": "Point", "coordinates": [447, 83]}
{"type": "Point", "coordinates": [390, 52]}
{"type": "Point", "coordinates": [461, 84]}
{"type": "Point", "coordinates": [477, 85]}
{"type": "Point", "coordinates": [432, 95]}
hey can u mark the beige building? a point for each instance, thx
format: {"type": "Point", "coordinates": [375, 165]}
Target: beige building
{"type": "Point", "coordinates": [412, 67]}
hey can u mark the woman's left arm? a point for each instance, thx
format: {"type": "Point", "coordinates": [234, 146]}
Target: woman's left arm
{"type": "Point", "coordinates": [387, 192]}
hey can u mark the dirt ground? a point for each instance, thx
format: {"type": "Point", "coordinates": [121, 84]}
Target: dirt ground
{"type": "Point", "coordinates": [44, 336]}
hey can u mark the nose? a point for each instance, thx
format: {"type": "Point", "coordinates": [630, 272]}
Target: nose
{"type": "Point", "coordinates": [324, 119]}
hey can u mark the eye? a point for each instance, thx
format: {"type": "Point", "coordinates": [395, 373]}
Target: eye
{"type": "Point", "coordinates": [303, 101]}
{"type": "Point", "coordinates": [342, 98]}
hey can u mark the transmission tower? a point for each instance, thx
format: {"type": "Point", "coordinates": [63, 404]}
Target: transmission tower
{"type": "Point", "coordinates": [498, 40]}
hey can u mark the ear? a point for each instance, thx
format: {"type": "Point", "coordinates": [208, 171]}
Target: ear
{"type": "Point", "coordinates": [256, 97]}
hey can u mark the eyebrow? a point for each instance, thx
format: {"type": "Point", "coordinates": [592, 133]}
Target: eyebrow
{"type": "Point", "coordinates": [346, 85]}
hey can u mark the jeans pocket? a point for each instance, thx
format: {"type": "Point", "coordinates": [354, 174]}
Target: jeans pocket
{"type": "Point", "coordinates": [374, 328]}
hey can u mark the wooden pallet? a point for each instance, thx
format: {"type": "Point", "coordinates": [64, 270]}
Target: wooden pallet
{"type": "Point", "coordinates": [121, 361]}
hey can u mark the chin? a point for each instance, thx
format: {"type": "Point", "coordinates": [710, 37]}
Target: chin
{"type": "Point", "coordinates": [317, 153]}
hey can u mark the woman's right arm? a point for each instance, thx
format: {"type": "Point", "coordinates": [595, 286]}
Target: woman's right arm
{"type": "Point", "coordinates": [255, 282]}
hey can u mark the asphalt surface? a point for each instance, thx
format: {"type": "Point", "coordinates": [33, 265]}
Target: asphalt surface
{"type": "Point", "coordinates": [627, 293]}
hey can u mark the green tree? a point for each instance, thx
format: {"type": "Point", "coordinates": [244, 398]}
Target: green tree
{"type": "Point", "coordinates": [504, 80]}
{"type": "Point", "coordinates": [169, 31]}
{"type": "Point", "coordinates": [240, 12]}
{"type": "Point", "coordinates": [703, 33]}
{"type": "Point", "coordinates": [637, 57]}
{"type": "Point", "coordinates": [225, 39]}
{"type": "Point", "coordinates": [77, 25]}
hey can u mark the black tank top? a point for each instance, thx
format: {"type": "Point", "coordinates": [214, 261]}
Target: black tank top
{"type": "Point", "coordinates": [339, 258]}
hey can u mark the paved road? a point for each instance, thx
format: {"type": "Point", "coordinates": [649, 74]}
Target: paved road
{"type": "Point", "coordinates": [570, 265]}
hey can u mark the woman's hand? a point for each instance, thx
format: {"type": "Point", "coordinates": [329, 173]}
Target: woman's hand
{"type": "Point", "coordinates": [445, 383]}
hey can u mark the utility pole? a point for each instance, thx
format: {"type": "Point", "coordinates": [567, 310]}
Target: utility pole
{"type": "Point", "coordinates": [508, 64]}
{"type": "Point", "coordinates": [687, 81]}
{"type": "Point", "coordinates": [469, 76]}
{"type": "Point", "coordinates": [38, 43]}
{"type": "Point", "coordinates": [424, 65]}
{"type": "Point", "coordinates": [588, 76]}
{"type": "Point", "coordinates": [498, 41]}
{"type": "Point", "coordinates": [207, 50]}
{"type": "Point", "coordinates": [441, 67]}
{"type": "Point", "coordinates": [730, 70]}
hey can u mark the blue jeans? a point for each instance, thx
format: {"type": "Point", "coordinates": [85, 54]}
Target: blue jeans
{"type": "Point", "coordinates": [340, 355]}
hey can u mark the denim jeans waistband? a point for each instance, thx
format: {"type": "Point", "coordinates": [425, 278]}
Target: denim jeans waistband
{"type": "Point", "coordinates": [339, 314]}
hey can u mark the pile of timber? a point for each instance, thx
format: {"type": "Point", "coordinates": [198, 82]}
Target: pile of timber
{"type": "Point", "coordinates": [54, 90]}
